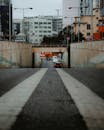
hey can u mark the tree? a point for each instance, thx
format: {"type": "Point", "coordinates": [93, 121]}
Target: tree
{"type": "Point", "coordinates": [61, 38]}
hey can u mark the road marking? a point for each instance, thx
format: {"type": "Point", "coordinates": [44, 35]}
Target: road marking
{"type": "Point", "coordinates": [13, 101]}
{"type": "Point", "coordinates": [89, 104]}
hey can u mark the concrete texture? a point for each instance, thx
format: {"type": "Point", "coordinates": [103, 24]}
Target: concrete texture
{"type": "Point", "coordinates": [87, 54]}
{"type": "Point", "coordinates": [15, 54]}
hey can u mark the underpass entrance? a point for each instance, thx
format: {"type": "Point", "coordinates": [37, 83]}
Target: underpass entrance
{"type": "Point", "coordinates": [46, 57]}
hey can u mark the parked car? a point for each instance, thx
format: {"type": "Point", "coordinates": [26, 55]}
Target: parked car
{"type": "Point", "coordinates": [58, 64]}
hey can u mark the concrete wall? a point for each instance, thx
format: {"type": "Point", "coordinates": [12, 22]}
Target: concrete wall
{"type": "Point", "coordinates": [15, 54]}
{"type": "Point", "coordinates": [65, 59]}
{"type": "Point", "coordinates": [82, 55]}
{"type": "Point", "coordinates": [87, 54]}
{"type": "Point", "coordinates": [37, 60]}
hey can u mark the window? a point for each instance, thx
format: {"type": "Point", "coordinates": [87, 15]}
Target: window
{"type": "Point", "coordinates": [88, 26]}
{"type": "Point", "coordinates": [49, 27]}
{"type": "Point", "coordinates": [40, 22]}
{"type": "Point", "coordinates": [36, 22]}
{"type": "Point", "coordinates": [88, 34]}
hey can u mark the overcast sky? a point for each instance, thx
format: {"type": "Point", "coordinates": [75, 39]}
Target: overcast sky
{"type": "Point", "coordinates": [40, 7]}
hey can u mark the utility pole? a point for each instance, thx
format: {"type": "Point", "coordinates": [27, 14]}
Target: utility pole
{"type": "Point", "coordinates": [23, 11]}
{"type": "Point", "coordinates": [10, 18]}
{"type": "Point", "coordinates": [92, 21]}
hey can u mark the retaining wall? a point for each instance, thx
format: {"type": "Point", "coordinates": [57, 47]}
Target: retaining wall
{"type": "Point", "coordinates": [87, 54]}
{"type": "Point", "coordinates": [15, 54]}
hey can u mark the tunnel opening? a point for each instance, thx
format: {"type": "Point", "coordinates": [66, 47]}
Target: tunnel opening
{"type": "Point", "coordinates": [49, 57]}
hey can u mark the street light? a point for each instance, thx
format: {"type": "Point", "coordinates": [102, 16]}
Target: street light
{"type": "Point", "coordinates": [68, 45]}
{"type": "Point", "coordinates": [10, 18]}
{"type": "Point", "coordinates": [23, 9]}
{"type": "Point", "coordinates": [92, 19]}
{"type": "Point", "coordinates": [78, 20]}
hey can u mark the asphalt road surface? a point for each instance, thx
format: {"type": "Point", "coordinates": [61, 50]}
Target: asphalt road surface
{"type": "Point", "coordinates": [50, 107]}
{"type": "Point", "coordinates": [9, 78]}
{"type": "Point", "coordinates": [47, 63]}
{"type": "Point", "coordinates": [93, 78]}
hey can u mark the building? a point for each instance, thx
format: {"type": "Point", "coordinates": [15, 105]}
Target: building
{"type": "Point", "coordinates": [35, 28]}
{"type": "Point", "coordinates": [100, 10]}
{"type": "Point", "coordinates": [57, 23]}
{"type": "Point", "coordinates": [96, 3]}
{"type": "Point", "coordinates": [71, 9]}
{"type": "Point", "coordinates": [17, 23]}
{"type": "Point", "coordinates": [86, 7]}
{"type": "Point", "coordinates": [86, 26]}
{"type": "Point", "coordinates": [38, 28]}
{"type": "Point", "coordinates": [89, 20]}
{"type": "Point", "coordinates": [5, 19]}
{"type": "Point", "coordinates": [102, 7]}
{"type": "Point", "coordinates": [91, 26]}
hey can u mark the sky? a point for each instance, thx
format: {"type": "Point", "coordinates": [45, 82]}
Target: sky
{"type": "Point", "coordinates": [40, 7]}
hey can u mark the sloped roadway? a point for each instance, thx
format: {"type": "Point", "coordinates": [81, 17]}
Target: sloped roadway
{"type": "Point", "coordinates": [50, 107]}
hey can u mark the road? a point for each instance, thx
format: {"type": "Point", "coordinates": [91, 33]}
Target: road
{"type": "Point", "coordinates": [93, 78]}
{"type": "Point", "coordinates": [47, 64]}
{"type": "Point", "coordinates": [9, 78]}
{"type": "Point", "coordinates": [51, 99]}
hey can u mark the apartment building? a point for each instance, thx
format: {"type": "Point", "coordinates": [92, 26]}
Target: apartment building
{"type": "Point", "coordinates": [91, 26]}
{"type": "Point", "coordinates": [5, 19]}
{"type": "Point", "coordinates": [38, 28]}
